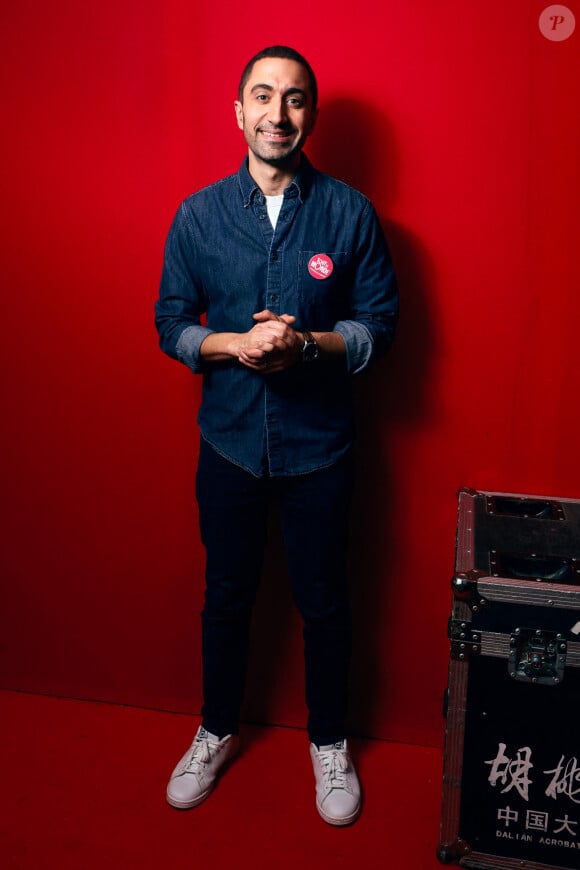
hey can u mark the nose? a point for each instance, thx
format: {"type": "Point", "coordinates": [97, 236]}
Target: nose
{"type": "Point", "coordinates": [277, 114]}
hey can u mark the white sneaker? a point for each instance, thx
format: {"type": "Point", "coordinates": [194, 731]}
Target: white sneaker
{"type": "Point", "coordinates": [194, 777]}
{"type": "Point", "coordinates": [338, 796]}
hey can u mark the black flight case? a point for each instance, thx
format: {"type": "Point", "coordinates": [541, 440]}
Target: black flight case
{"type": "Point", "coordinates": [511, 773]}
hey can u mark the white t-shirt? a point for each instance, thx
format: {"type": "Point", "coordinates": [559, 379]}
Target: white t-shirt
{"type": "Point", "coordinates": [274, 204]}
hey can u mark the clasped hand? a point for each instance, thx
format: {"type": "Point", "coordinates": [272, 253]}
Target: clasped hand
{"type": "Point", "coordinates": [271, 345]}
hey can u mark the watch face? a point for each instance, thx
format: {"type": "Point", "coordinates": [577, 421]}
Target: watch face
{"type": "Point", "coordinates": [310, 352]}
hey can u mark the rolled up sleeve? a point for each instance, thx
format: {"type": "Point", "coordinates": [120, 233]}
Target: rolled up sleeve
{"type": "Point", "coordinates": [181, 301]}
{"type": "Point", "coordinates": [374, 300]}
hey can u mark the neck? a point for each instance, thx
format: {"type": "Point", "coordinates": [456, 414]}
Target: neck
{"type": "Point", "coordinates": [272, 180]}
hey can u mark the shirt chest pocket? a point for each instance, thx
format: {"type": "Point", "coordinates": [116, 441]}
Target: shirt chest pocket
{"type": "Point", "coordinates": [324, 279]}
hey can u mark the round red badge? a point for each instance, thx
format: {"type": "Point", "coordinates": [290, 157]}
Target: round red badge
{"type": "Point", "coordinates": [320, 266]}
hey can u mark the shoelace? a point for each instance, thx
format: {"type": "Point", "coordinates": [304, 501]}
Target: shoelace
{"type": "Point", "coordinates": [201, 754]}
{"type": "Point", "coordinates": [334, 766]}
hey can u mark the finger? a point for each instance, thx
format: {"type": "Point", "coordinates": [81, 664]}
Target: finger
{"type": "Point", "coordinates": [266, 314]}
{"type": "Point", "coordinates": [253, 353]}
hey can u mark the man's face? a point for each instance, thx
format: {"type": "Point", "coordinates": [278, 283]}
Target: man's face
{"type": "Point", "coordinates": [276, 114]}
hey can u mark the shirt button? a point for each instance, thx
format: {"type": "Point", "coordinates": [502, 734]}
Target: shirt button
{"type": "Point", "coordinates": [274, 256]}
{"type": "Point", "coordinates": [275, 298]}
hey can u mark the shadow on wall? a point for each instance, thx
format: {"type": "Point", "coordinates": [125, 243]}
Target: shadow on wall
{"type": "Point", "coordinates": [354, 143]}
{"type": "Point", "coordinates": [391, 395]}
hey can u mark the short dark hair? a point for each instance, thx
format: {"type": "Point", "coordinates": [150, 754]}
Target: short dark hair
{"type": "Point", "coordinates": [286, 53]}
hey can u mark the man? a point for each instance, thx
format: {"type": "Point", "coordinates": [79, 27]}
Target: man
{"type": "Point", "coordinates": [292, 273]}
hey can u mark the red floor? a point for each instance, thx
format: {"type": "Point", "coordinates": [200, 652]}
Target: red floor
{"type": "Point", "coordinates": [83, 786]}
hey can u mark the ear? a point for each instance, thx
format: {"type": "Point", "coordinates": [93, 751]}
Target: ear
{"type": "Point", "coordinates": [239, 114]}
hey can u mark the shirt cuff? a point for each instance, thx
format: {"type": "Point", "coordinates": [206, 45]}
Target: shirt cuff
{"type": "Point", "coordinates": [189, 344]}
{"type": "Point", "coordinates": [359, 344]}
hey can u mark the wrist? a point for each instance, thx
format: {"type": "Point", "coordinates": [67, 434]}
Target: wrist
{"type": "Point", "coordinates": [219, 346]}
{"type": "Point", "coordinates": [310, 350]}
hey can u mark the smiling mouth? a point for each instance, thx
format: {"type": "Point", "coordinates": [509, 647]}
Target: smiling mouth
{"type": "Point", "coordinates": [276, 135]}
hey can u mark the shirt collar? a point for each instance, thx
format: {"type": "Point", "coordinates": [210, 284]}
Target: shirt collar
{"type": "Point", "coordinates": [302, 181]}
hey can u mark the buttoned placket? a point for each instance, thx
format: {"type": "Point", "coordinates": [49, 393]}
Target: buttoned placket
{"type": "Point", "coordinates": [275, 241]}
{"type": "Point", "coordinates": [213, 257]}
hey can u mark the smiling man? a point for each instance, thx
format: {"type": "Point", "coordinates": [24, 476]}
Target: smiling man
{"type": "Point", "coordinates": [277, 114]}
{"type": "Point", "coordinates": [290, 269]}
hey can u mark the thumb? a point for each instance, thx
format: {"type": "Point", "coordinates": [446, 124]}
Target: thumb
{"type": "Point", "coordinates": [262, 316]}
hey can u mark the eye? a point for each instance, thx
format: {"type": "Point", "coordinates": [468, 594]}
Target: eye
{"type": "Point", "coordinates": [261, 98]}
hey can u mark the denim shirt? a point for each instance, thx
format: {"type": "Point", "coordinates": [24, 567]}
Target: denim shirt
{"type": "Point", "coordinates": [224, 262]}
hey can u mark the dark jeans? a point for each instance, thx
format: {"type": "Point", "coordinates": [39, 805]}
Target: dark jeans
{"type": "Point", "coordinates": [233, 506]}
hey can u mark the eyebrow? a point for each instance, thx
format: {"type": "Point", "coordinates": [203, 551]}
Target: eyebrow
{"type": "Point", "coordinates": [265, 87]}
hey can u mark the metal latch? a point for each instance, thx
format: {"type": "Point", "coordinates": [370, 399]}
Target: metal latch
{"type": "Point", "coordinates": [537, 656]}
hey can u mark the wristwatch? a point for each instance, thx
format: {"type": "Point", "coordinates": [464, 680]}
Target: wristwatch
{"type": "Point", "coordinates": [310, 350]}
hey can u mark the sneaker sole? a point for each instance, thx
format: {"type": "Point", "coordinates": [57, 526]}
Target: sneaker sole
{"type": "Point", "coordinates": [339, 823]}
{"type": "Point", "coordinates": [188, 805]}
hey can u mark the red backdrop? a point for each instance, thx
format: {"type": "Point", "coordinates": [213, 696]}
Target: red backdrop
{"type": "Point", "coordinates": [461, 123]}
